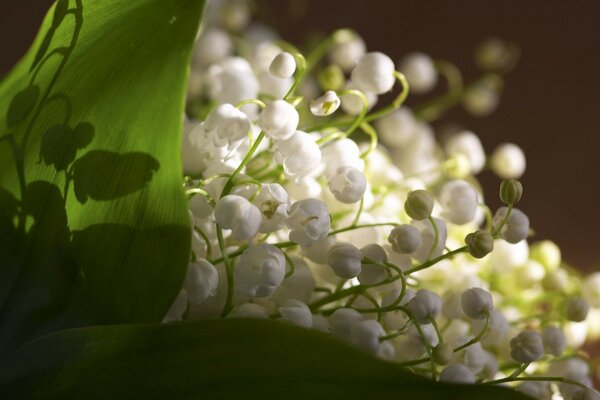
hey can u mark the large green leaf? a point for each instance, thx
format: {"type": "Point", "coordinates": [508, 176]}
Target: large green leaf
{"type": "Point", "coordinates": [93, 224]}
{"type": "Point", "coordinates": [221, 359]}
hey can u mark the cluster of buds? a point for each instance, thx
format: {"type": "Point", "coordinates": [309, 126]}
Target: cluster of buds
{"type": "Point", "coordinates": [311, 205]}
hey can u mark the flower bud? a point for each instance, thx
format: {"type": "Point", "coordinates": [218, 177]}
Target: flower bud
{"type": "Point", "coordinates": [372, 273]}
{"type": "Point", "coordinates": [366, 334]}
{"type": "Point", "coordinates": [577, 309]}
{"type": "Point", "coordinates": [418, 205]}
{"type": "Point", "coordinates": [331, 78]}
{"type": "Point", "coordinates": [341, 322]}
{"type": "Point", "coordinates": [424, 306]}
{"type": "Point", "coordinates": [419, 71]}
{"type": "Point", "coordinates": [508, 161]}
{"type": "Point", "coordinates": [201, 281]}
{"type": "Point", "coordinates": [345, 259]}
{"type": "Point", "coordinates": [457, 373]}
{"type": "Point", "coordinates": [348, 185]}
{"type": "Point", "coordinates": [249, 310]}
{"type": "Point", "coordinates": [536, 389]}
{"type": "Point", "coordinates": [405, 239]}
{"type": "Point", "coordinates": [526, 347]}
{"type": "Point", "coordinates": [585, 394]}
{"type": "Point", "coordinates": [480, 243]}
{"type": "Point", "coordinates": [296, 312]}
{"type": "Point", "coordinates": [511, 191]}
{"type": "Point", "coordinates": [308, 221]}
{"type": "Point", "coordinates": [326, 104]}
{"type": "Point", "coordinates": [260, 270]}
{"type": "Point", "coordinates": [476, 303]}
{"type": "Point", "coordinates": [238, 214]}
{"type": "Point", "coordinates": [279, 119]}
{"type": "Point", "coordinates": [442, 353]}
{"type": "Point", "coordinates": [283, 65]}
{"type": "Point", "coordinates": [554, 340]}
{"type": "Point", "coordinates": [516, 227]}
{"type": "Point", "coordinates": [374, 73]}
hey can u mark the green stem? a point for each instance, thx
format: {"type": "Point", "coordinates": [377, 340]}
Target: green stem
{"type": "Point", "coordinates": [231, 181]}
{"type": "Point", "coordinates": [436, 236]}
{"type": "Point", "coordinates": [369, 130]}
{"type": "Point", "coordinates": [429, 263]}
{"type": "Point", "coordinates": [479, 336]}
{"type": "Point", "coordinates": [228, 271]}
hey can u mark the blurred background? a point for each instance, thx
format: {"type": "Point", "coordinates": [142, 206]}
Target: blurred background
{"type": "Point", "coordinates": [550, 106]}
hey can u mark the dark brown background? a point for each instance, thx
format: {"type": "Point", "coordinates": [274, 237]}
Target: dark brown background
{"type": "Point", "coordinates": [550, 106]}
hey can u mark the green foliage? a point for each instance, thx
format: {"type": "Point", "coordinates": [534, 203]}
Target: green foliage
{"type": "Point", "coordinates": [93, 224]}
{"type": "Point", "coordinates": [219, 359]}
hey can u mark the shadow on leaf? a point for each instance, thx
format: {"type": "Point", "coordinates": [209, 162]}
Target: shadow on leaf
{"type": "Point", "coordinates": [104, 175]}
{"type": "Point", "coordinates": [60, 143]}
{"type": "Point", "coordinates": [21, 105]}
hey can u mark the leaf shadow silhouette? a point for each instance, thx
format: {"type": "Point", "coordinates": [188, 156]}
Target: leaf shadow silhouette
{"type": "Point", "coordinates": [105, 175]}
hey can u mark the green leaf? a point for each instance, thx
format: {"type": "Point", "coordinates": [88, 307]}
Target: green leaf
{"type": "Point", "coordinates": [220, 359]}
{"type": "Point", "coordinates": [93, 222]}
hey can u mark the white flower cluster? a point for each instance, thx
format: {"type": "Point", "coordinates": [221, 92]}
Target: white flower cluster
{"type": "Point", "coordinates": [300, 214]}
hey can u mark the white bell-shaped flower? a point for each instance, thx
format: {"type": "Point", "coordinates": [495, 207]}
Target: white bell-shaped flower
{"type": "Point", "coordinates": [397, 128]}
{"type": "Point", "coordinates": [317, 252]}
{"type": "Point", "coordinates": [508, 161]}
{"type": "Point", "coordinates": [238, 214]}
{"type": "Point", "coordinates": [300, 155]}
{"type": "Point", "coordinates": [516, 227]}
{"type": "Point", "coordinates": [536, 389]}
{"type": "Point", "coordinates": [296, 312]}
{"type": "Point", "coordinates": [459, 202]}
{"type": "Point", "coordinates": [299, 285]}
{"type": "Point", "coordinates": [467, 144]}
{"type": "Point", "coordinates": [325, 105]}
{"type": "Point", "coordinates": [308, 221]}
{"type": "Point", "coordinates": [340, 153]}
{"type": "Point", "coordinates": [345, 259]}
{"type": "Point", "coordinates": [279, 119]}
{"type": "Point", "coordinates": [178, 308]}
{"type": "Point", "coordinates": [260, 270]}
{"type": "Point", "coordinates": [526, 347]}
{"type": "Point", "coordinates": [554, 340]}
{"type": "Point", "coordinates": [476, 303]}
{"type": "Point", "coordinates": [341, 322]}
{"type": "Point", "coordinates": [374, 73]}
{"type": "Point", "coordinates": [353, 104]}
{"type": "Point", "coordinates": [348, 185]}
{"type": "Point", "coordinates": [457, 373]}
{"type": "Point", "coordinates": [226, 125]}
{"type": "Point", "coordinates": [366, 335]}
{"type": "Point", "coordinates": [250, 310]}
{"type": "Point", "coordinates": [346, 53]}
{"type": "Point", "coordinates": [283, 65]}
{"type": "Point", "coordinates": [201, 281]}
{"type": "Point", "coordinates": [424, 306]}
{"type": "Point", "coordinates": [373, 273]}
{"type": "Point", "coordinates": [273, 86]}
{"type": "Point", "coordinates": [428, 237]}
{"type": "Point", "coordinates": [420, 72]}
{"type": "Point", "coordinates": [232, 80]}
{"type": "Point", "coordinates": [273, 203]}
{"type": "Point", "coordinates": [405, 239]}
{"type": "Point", "coordinates": [213, 45]}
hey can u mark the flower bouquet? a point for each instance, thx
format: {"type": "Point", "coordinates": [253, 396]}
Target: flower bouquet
{"type": "Point", "coordinates": [220, 215]}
